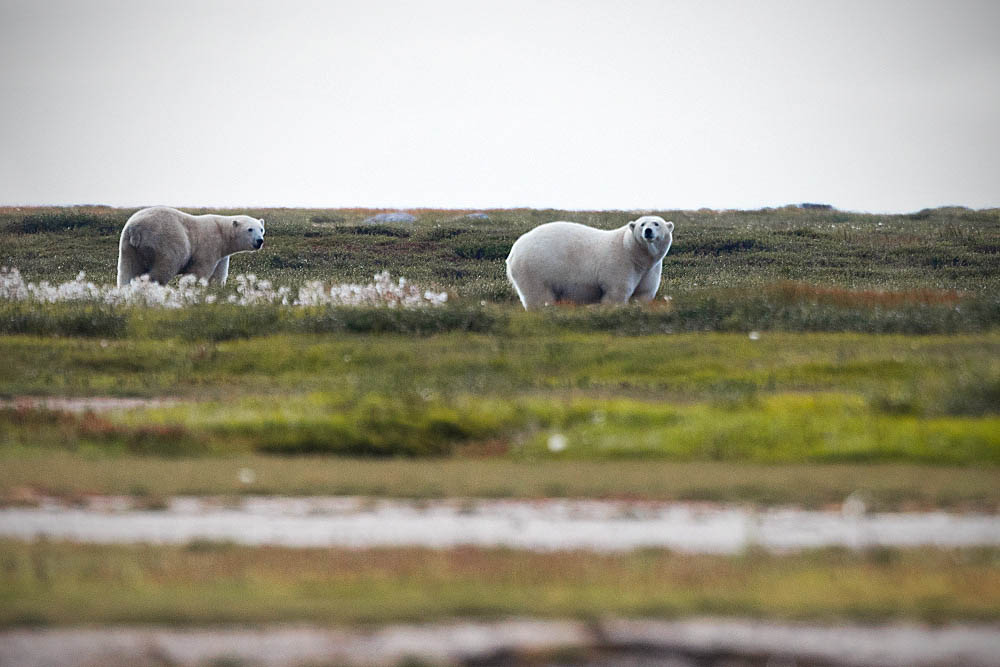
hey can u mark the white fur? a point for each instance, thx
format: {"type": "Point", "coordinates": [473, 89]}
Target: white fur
{"type": "Point", "coordinates": [567, 261]}
{"type": "Point", "coordinates": [164, 242]}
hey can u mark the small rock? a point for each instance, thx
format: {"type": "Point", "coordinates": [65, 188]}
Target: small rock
{"type": "Point", "coordinates": [398, 216]}
{"type": "Point", "coordinates": [854, 505]}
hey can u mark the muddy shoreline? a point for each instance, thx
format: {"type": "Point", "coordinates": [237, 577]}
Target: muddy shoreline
{"type": "Point", "coordinates": [541, 525]}
{"type": "Point", "coordinates": [682, 643]}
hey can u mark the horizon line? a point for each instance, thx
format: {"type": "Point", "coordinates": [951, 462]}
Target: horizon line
{"type": "Point", "coordinates": [815, 206]}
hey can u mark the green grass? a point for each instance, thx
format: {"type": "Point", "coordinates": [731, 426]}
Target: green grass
{"type": "Point", "coordinates": [900, 374]}
{"type": "Point", "coordinates": [782, 428]}
{"type": "Point", "coordinates": [60, 583]}
{"type": "Point", "coordinates": [788, 428]}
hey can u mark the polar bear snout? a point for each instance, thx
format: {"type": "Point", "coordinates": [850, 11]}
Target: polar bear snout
{"type": "Point", "coordinates": [648, 233]}
{"type": "Point", "coordinates": [255, 230]}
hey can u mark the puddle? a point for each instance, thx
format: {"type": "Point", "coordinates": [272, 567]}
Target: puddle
{"type": "Point", "coordinates": [84, 403]}
{"type": "Point", "coordinates": [542, 525]}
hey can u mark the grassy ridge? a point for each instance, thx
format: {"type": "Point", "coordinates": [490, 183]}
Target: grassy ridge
{"type": "Point", "coordinates": [783, 269]}
{"type": "Point", "coordinates": [782, 307]}
{"type": "Point", "coordinates": [45, 582]}
{"type": "Point", "coordinates": [904, 374]}
{"type": "Point", "coordinates": [945, 249]}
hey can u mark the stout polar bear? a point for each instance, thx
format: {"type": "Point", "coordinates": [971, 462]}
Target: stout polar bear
{"type": "Point", "coordinates": [164, 242]}
{"type": "Point", "coordinates": [567, 261]}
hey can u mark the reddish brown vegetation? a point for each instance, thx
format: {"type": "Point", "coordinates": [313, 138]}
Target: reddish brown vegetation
{"type": "Point", "coordinates": [838, 296]}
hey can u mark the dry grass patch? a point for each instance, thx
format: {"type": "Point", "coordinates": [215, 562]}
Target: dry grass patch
{"type": "Point", "coordinates": [205, 582]}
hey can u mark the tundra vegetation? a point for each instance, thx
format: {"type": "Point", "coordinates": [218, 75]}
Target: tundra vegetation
{"type": "Point", "coordinates": [791, 356]}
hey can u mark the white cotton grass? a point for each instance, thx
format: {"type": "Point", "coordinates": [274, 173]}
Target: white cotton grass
{"type": "Point", "coordinates": [557, 443]}
{"type": "Point", "coordinates": [383, 292]}
{"type": "Point", "coordinates": [250, 291]}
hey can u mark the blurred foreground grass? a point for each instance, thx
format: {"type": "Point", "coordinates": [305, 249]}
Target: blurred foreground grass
{"type": "Point", "coordinates": [205, 582]}
{"type": "Point", "coordinates": [25, 477]}
{"type": "Point", "coordinates": [779, 398]}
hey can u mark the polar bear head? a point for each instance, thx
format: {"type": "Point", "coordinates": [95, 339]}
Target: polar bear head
{"type": "Point", "coordinates": [654, 232]}
{"type": "Point", "coordinates": [248, 232]}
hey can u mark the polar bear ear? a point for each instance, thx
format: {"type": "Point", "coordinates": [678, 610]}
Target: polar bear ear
{"type": "Point", "coordinates": [670, 225]}
{"type": "Point", "coordinates": [631, 225]}
{"type": "Point", "coordinates": [235, 222]}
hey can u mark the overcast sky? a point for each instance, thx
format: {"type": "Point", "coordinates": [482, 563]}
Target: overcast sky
{"type": "Point", "coordinates": [877, 106]}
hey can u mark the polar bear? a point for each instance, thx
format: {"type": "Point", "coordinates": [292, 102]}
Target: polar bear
{"type": "Point", "coordinates": [567, 261]}
{"type": "Point", "coordinates": [164, 242]}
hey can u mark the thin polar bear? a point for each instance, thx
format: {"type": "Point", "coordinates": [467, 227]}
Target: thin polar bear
{"type": "Point", "coordinates": [567, 261]}
{"type": "Point", "coordinates": [164, 242]}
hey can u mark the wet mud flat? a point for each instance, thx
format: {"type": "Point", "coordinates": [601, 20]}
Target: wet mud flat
{"type": "Point", "coordinates": [541, 525]}
{"type": "Point", "coordinates": [689, 643]}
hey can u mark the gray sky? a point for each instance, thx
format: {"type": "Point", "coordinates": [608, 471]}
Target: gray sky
{"type": "Point", "coordinates": [877, 106]}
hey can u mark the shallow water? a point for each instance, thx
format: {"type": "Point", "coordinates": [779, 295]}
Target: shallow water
{"type": "Point", "coordinates": [542, 525]}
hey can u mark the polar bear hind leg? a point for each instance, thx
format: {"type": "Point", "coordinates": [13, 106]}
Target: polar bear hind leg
{"type": "Point", "coordinates": [164, 268]}
{"type": "Point", "coordinates": [534, 293]}
{"type": "Point", "coordinates": [130, 264]}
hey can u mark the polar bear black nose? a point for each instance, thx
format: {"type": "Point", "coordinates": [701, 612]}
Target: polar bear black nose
{"type": "Point", "coordinates": [258, 243]}
{"type": "Point", "coordinates": [648, 233]}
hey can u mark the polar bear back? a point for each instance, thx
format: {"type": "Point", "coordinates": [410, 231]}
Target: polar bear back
{"type": "Point", "coordinates": [561, 254]}
{"type": "Point", "coordinates": [159, 227]}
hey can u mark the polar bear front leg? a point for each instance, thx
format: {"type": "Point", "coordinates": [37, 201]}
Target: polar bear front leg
{"type": "Point", "coordinates": [221, 271]}
{"type": "Point", "coordinates": [202, 269]}
{"type": "Point", "coordinates": [616, 294]}
{"type": "Point", "coordinates": [646, 289]}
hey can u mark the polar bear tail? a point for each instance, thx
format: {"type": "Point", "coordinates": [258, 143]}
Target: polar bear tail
{"type": "Point", "coordinates": [130, 264]}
